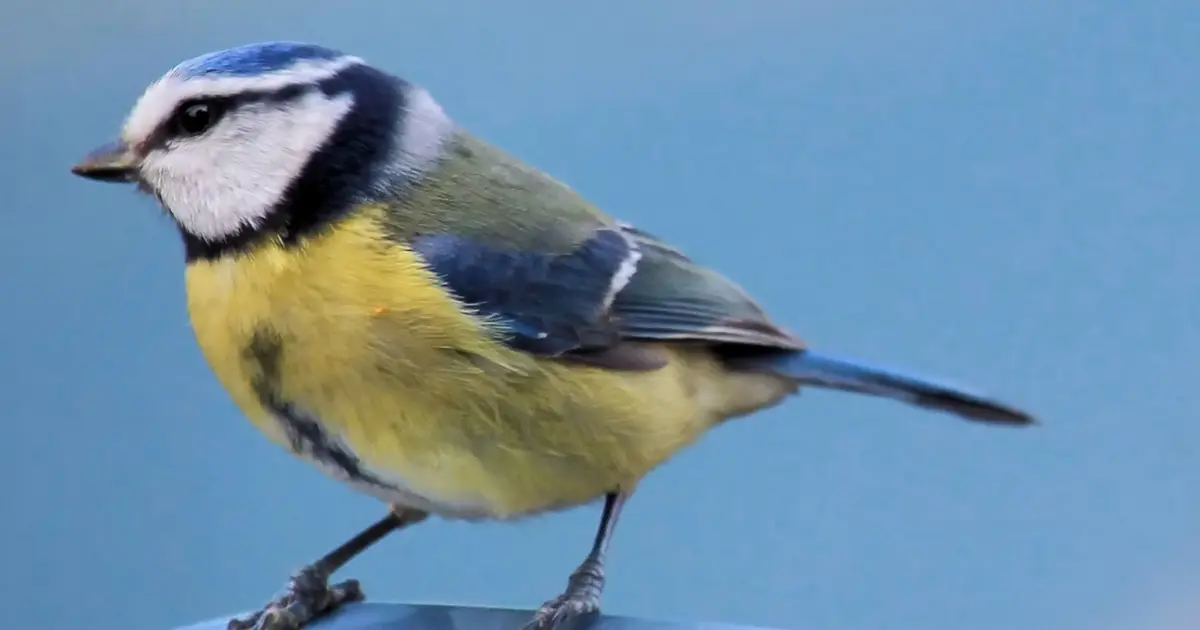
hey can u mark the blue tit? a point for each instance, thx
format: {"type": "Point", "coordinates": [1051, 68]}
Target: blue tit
{"type": "Point", "coordinates": [435, 323]}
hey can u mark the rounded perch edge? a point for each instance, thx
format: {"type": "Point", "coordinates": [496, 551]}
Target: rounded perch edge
{"type": "Point", "coordinates": [395, 616]}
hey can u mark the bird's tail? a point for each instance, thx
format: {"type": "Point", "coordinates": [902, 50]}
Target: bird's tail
{"type": "Point", "coordinates": [822, 370]}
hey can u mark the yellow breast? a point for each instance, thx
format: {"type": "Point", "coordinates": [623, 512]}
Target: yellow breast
{"type": "Point", "coordinates": [366, 345]}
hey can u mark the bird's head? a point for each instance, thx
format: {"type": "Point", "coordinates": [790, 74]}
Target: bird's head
{"type": "Point", "coordinates": [270, 137]}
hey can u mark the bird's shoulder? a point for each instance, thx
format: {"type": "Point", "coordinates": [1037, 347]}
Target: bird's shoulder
{"type": "Point", "coordinates": [562, 277]}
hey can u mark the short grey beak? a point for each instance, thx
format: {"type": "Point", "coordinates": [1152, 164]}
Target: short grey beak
{"type": "Point", "coordinates": [113, 162]}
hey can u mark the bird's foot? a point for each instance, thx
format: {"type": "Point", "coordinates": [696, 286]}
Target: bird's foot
{"type": "Point", "coordinates": [581, 599]}
{"type": "Point", "coordinates": [309, 596]}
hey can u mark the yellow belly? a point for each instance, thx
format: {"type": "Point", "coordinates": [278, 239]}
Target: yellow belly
{"type": "Point", "coordinates": [386, 361]}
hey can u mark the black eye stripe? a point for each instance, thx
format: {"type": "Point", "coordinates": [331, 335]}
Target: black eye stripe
{"type": "Point", "coordinates": [225, 104]}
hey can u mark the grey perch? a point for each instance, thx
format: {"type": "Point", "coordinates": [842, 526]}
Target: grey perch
{"type": "Point", "coordinates": [392, 616]}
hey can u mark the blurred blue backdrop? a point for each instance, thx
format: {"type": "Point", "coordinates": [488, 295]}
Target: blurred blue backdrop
{"type": "Point", "coordinates": [1003, 193]}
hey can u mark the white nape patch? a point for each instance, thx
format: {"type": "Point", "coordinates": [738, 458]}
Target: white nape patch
{"type": "Point", "coordinates": [625, 272]}
{"type": "Point", "coordinates": [422, 135]}
{"type": "Point", "coordinates": [232, 176]}
{"type": "Point", "coordinates": [162, 97]}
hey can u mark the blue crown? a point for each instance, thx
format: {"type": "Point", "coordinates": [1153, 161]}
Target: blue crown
{"type": "Point", "coordinates": [254, 59]}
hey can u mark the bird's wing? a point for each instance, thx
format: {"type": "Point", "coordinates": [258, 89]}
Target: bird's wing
{"type": "Point", "coordinates": [672, 297]}
{"type": "Point", "coordinates": [616, 285]}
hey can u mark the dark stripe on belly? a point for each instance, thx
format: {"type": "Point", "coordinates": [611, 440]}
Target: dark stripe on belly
{"type": "Point", "coordinates": [306, 435]}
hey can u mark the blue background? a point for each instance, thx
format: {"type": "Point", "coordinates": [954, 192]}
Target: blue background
{"type": "Point", "coordinates": [1003, 193]}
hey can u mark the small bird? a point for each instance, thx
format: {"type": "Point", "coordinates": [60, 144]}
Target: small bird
{"type": "Point", "coordinates": [435, 323]}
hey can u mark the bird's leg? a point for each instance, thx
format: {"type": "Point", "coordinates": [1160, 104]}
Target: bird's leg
{"type": "Point", "coordinates": [582, 596]}
{"type": "Point", "coordinates": [309, 594]}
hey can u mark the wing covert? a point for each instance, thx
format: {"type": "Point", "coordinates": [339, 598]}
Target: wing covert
{"type": "Point", "coordinates": [550, 303]}
{"type": "Point", "coordinates": [616, 286]}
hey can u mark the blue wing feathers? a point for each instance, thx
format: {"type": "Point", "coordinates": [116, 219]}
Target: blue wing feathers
{"type": "Point", "coordinates": [672, 297]}
{"type": "Point", "coordinates": [554, 303]}
{"type": "Point", "coordinates": [551, 302]}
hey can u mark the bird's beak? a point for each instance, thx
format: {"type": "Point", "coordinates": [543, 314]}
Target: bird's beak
{"type": "Point", "coordinates": [113, 162]}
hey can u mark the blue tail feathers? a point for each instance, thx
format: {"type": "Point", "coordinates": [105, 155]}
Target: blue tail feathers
{"type": "Point", "coordinates": [822, 370]}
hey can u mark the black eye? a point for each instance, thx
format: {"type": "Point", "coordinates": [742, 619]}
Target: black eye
{"type": "Point", "coordinates": [196, 118]}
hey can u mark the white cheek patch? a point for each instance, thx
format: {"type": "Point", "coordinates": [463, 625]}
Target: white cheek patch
{"type": "Point", "coordinates": [231, 177]}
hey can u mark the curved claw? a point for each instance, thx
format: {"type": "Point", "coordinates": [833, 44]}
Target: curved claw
{"type": "Point", "coordinates": [309, 596]}
{"type": "Point", "coordinates": [561, 612]}
{"type": "Point", "coordinates": [581, 599]}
